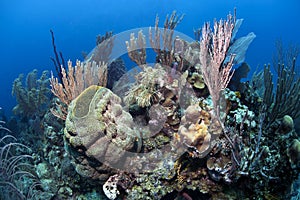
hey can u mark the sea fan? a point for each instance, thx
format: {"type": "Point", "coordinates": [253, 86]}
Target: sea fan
{"type": "Point", "coordinates": [17, 179]}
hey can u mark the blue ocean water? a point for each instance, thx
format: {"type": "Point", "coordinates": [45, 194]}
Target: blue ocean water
{"type": "Point", "coordinates": [26, 43]}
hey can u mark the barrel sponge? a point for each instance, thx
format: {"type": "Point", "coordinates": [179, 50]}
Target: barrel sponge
{"type": "Point", "coordinates": [97, 127]}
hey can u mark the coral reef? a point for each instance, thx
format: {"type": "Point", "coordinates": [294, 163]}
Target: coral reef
{"type": "Point", "coordinates": [208, 137]}
{"type": "Point", "coordinates": [173, 130]}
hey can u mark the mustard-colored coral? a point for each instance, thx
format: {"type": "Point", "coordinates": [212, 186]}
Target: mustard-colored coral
{"type": "Point", "coordinates": [194, 132]}
{"type": "Point", "coordinates": [194, 129]}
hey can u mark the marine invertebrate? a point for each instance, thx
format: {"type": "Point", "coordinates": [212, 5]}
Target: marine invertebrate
{"type": "Point", "coordinates": [198, 130]}
{"type": "Point", "coordinates": [213, 48]}
{"type": "Point", "coordinates": [262, 154]}
{"type": "Point", "coordinates": [78, 78]}
{"type": "Point", "coordinates": [196, 80]}
{"type": "Point", "coordinates": [164, 55]}
{"type": "Point", "coordinates": [175, 134]}
{"type": "Point", "coordinates": [285, 54]}
{"type": "Point", "coordinates": [287, 125]}
{"type": "Point", "coordinates": [102, 52]}
{"type": "Point", "coordinates": [237, 112]}
{"type": "Point", "coordinates": [17, 178]}
{"type": "Point", "coordinates": [136, 48]}
{"type": "Point", "coordinates": [33, 97]}
{"type": "Point", "coordinates": [74, 81]}
{"type": "Point", "coordinates": [99, 131]}
{"type": "Point", "coordinates": [144, 91]}
{"type": "Point", "coordinates": [58, 61]}
{"type": "Point", "coordinates": [219, 168]}
{"type": "Point", "coordinates": [285, 99]}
